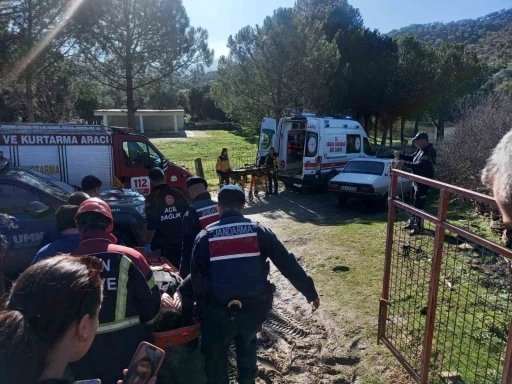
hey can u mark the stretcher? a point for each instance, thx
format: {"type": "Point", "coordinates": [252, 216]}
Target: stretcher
{"type": "Point", "coordinates": [172, 337]}
{"type": "Point", "coordinates": [256, 172]}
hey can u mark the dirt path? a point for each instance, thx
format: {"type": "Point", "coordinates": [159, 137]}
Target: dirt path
{"type": "Point", "coordinates": [333, 345]}
{"type": "Point", "coordinates": [295, 345]}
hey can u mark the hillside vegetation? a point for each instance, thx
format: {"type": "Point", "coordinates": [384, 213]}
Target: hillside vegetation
{"type": "Point", "coordinates": [490, 37]}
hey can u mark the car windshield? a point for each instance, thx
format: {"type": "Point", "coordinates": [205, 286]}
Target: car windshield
{"type": "Point", "coordinates": [365, 167]}
{"type": "Point", "coordinates": [40, 183]}
{"type": "Point", "coordinates": [68, 188]}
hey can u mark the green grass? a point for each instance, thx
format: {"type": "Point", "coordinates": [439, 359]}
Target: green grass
{"type": "Point", "coordinates": [470, 339]}
{"type": "Point", "coordinates": [209, 146]}
{"type": "Point", "coordinates": [242, 147]}
{"type": "Point", "coordinates": [473, 312]}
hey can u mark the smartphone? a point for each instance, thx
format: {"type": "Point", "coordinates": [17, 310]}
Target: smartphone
{"type": "Point", "coordinates": [93, 381]}
{"type": "Point", "coordinates": [145, 364]}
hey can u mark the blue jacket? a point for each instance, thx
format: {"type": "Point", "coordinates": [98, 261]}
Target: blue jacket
{"type": "Point", "coordinates": [51, 234]}
{"type": "Point", "coordinates": [201, 213]}
{"type": "Point", "coordinates": [63, 244]}
{"type": "Point", "coordinates": [229, 261]}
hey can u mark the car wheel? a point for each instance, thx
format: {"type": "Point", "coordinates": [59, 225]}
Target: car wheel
{"type": "Point", "coordinates": [288, 184]}
{"type": "Point", "coordinates": [342, 201]}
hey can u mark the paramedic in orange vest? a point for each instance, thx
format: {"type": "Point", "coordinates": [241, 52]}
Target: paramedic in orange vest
{"type": "Point", "coordinates": [131, 298]}
{"type": "Point", "coordinates": [229, 270]}
{"type": "Point", "coordinates": [223, 167]}
{"type": "Point", "coordinates": [165, 208]}
{"type": "Point", "coordinates": [201, 213]}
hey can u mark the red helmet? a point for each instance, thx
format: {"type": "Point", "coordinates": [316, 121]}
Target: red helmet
{"type": "Point", "coordinates": [95, 204]}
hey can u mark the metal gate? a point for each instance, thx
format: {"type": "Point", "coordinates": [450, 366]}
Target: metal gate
{"type": "Point", "coordinates": [446, 307]}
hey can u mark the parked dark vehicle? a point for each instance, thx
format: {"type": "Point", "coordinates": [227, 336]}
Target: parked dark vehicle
{"type": "Point", "coordinates": [32, 201]}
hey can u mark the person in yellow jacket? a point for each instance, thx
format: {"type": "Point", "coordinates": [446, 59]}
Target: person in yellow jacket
{"type": "Point", "coordinates": [272, 160]}
{"type": "Point", "coordinates": [223, 166]}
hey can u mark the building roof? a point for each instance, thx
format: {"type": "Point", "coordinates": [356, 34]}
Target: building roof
{"type": "Point", "coordinates": [117, 112]}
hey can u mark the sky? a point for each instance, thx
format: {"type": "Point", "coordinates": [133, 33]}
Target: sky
{"type": "Point", "coordinates": [223, 18]}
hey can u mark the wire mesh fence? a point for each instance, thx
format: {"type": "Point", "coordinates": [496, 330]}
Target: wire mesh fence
{"type": "Point", "coordinates": [447, 307]}
{"type": "Point", "coordinates": [209, 166]}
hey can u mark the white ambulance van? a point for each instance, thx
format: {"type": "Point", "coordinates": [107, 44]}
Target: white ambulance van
{"type": "Point", "coordinates": [313, 149]}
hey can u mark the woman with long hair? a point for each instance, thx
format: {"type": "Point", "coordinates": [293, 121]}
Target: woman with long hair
{"type": "Point", "coordinates": [50, 319]}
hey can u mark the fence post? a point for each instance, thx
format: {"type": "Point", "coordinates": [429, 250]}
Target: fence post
{"type": "Point", "coordinates": [507, 368]}
{"type": "Point", "coordinates": [199, 167]}
{"type": "Point", "coordinates": [383, 309]}
{"type": "Point", "coordinates": [434, 286]}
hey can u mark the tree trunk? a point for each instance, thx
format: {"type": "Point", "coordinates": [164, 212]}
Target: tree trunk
{"type": "Point", "coordinates": [367, 124]}
{"type": "Point", "coordinates": [29, 95]}
{"type": "Point", "coordinates": [130, 102]}
{"type": "Point", "coordinates": [440, 128]}
{"type": "Point", "coordinates": [402, 129]}
{"type": "Point", "coordinates": [416, 125]}
{"type": "Point", "coordinates": [391, 132]}
{"type": "Point", "coordinates": [384, 134]}
{"type": "Point", "coordinates": [29, 92]}
{"type": "Point", "coordinates": [375, 129]}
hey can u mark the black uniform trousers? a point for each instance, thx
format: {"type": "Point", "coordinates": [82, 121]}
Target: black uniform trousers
{"type": "Point", "coordinates": [272, 180]}
{"type": "Point", "coordinates": [219, 330]}
{"type": "Point", "coordinates": [419, 200]}
{"type": "Point", "coordinates": [224, 177]}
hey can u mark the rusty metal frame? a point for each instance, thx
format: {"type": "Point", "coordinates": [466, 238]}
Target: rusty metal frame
{"type": "Point", "coordinates": [441, 224]}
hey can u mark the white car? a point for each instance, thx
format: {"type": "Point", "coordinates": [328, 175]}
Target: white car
{"type": "Point", "coordinates": [367, 179]}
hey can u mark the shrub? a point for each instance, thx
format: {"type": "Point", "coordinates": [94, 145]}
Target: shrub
{"type": "Point", "coordinates": [481, 125]}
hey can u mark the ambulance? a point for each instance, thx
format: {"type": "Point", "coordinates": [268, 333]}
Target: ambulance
{"type": "Point", "coordinates": [116, 156]}
{"type": "Point", "coordinates": [313, 149]}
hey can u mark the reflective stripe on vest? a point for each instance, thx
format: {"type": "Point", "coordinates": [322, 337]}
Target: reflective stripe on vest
{"type": "Point", "coordinates": [151, 282]}
{"type": "Point", "coordinates": [207, 215]}
{"type": "Point", "coordinates": [122, 289]}
{"type": "Point", "coordinates": [118, 325]}
{"type": "Point", "coordinates": [233, 241]}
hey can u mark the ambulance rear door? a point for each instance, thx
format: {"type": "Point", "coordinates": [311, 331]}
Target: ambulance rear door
{"type": "Point", "coordinates": [312, 160]}
{"type": "Point", "coordinates": [267, 138]}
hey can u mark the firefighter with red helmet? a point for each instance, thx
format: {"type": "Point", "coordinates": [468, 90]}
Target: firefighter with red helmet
{"type": "Point", "coordinates": [131, 297]}
{"type": "Point", "coordinates": [165, 208]}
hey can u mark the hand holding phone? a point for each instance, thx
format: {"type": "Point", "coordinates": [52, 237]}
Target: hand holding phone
{"type": "Point", "coordinates": [145, 365]}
